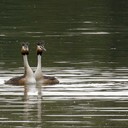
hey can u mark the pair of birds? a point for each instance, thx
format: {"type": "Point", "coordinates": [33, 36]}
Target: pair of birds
{"type": "Point", "coordinates": [29, 77]}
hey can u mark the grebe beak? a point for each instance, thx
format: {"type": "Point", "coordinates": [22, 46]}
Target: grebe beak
{"type": "Point", "coordinates": [40, 45]}
{"type": "Point", "coordinates": [44, 49]}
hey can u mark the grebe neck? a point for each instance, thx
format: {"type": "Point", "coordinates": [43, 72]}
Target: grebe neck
{"type": "Point", "coordinates": [38, 72]}
{"type": "Point", "coordinates": [39, 66]}
{"type": "Point", "coordinates": [28, 70]}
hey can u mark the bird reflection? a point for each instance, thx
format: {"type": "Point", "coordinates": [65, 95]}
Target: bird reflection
{"type": "Point", "coordinates": [32, 105]}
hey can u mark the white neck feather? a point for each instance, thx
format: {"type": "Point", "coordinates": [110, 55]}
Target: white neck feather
{"type": "Point", "coordinates": [28, 70]}
{"type": "Point", "coordinates": [38, 72]}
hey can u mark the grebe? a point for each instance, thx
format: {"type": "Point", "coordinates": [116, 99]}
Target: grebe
{"type": "Point", "coordinates": [40, 78]}
{"type": "Point", "coordinates": [28, 77]}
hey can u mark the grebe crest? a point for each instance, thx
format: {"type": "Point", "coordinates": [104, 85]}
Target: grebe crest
{"type": "Point", "coordinates": [40, 48]}
{"type": "Point", "coordinates": [24, 48]}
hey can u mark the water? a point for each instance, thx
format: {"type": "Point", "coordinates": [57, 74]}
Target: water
{"type": "Point", "coordinates": [86, 44]}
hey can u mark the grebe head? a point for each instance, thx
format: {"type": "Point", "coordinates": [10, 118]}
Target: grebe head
{"type": "Point", "coordinates": [24, 49]}
{"type": "Point", "coordinates": [40, 48]}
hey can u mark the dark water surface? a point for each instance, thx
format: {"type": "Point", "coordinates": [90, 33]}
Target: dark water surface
{"type": "Point", "coordinates": [87, 50]}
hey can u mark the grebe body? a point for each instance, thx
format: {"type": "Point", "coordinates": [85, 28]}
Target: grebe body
{"type": "Point", "coordinates": [39, 76]}
{"type": "Point", "coordinates": [28, 77]}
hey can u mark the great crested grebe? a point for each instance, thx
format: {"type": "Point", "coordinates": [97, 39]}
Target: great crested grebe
{"type": "Point", "coordinates": [28, 77]}
{"type": "Point", "coordinates": [40, 78]}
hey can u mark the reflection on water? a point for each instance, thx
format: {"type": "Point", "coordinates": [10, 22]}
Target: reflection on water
{"type": "Point", "coordinates": [85, 97]}
{"type": "Point", "coordinates": [21, 106]}
{"type": "Point", "coordinates": [32, 105]}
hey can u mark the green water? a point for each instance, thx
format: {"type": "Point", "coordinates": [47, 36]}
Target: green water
{"type": "Point", "coordinates": [87, 50]}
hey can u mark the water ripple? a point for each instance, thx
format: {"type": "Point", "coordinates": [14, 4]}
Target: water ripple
{"type": "Point", "coordinates": [83, 96]}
